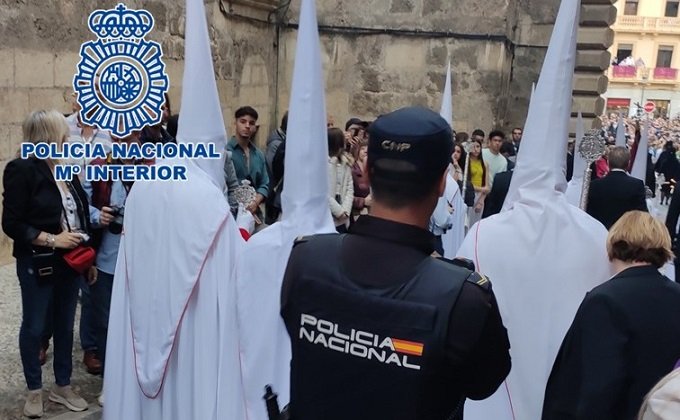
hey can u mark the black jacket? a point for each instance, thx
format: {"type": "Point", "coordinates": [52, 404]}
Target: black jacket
{"type": "Point", "coordinates": [615, 194]}
{"type": "Point", "coordinates": [32, 203]}
{"type": "Point", "coordinates": [570, 166]}
{"type": "Point", "coordinates": [624, 339]}
{"type": "Point", "coordinates": [499, 190]}
{"type": "Point", "coordinates": [668, 165]}
{"type": "Point", "coordinates": [673, 215]}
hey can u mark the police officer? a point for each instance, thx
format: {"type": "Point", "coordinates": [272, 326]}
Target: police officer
{"type": "Point", "coordinates": [379, 328]}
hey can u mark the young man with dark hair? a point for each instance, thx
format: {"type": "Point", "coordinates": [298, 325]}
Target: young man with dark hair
{"type": "Point", "coordinates": [492, 155]}
{"type": "Point", "coordinates": [249, 162]}
{"type": "Point", "coordinates": [501, 184]}
{"type": "Point", "coordinates": [422, 333]}
{"type": "Point", "coordinates": [478, 135]}
{"type": "Point", "coordinates": [516, 138]}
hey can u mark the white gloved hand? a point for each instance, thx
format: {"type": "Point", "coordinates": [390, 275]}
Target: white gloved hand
{"type": "Point", "coordinates": [245, 221]}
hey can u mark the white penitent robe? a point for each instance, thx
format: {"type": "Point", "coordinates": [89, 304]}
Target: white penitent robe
{"type": "Point", "coordinates": [265, 345]}
{"type": "Point", "coordinates": [541, 257]}
{"type": "Point", "coordinates": [453, 238]}
{"type": "Point", "coordinates": [172, 349]}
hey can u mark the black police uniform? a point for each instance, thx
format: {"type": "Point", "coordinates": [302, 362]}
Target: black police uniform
{"type": "Point", "coordinates": [382, 330]}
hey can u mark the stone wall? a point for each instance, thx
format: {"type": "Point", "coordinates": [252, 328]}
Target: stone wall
{"type": "Point", "coordinates": [383, 55]}
{"type": "Point", "coordinates": [378, 56]}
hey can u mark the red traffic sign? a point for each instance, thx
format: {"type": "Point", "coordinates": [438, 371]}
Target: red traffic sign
{"type": "Point", "coordinates": [650, 107]}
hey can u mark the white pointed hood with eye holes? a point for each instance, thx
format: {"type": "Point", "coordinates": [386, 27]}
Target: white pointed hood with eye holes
{"type": "Point", "coordinates": [265, 345]}
{"type": "Point", "coordinates": [453, 237]}
{"type": "Point", "coordinates": [621, 131]}
{"type": "Point", "coordinates": [639, 169]}
{"type": "Point", "coordinates": [541, 254]}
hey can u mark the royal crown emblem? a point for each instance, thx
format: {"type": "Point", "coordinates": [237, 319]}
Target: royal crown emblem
{"type": "Point", "coordinates": [121, 80]}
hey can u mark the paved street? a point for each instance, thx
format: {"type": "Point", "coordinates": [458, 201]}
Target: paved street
{"type": "Point", "coordinates": [13, 386]}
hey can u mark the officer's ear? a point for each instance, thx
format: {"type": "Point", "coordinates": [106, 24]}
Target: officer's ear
{"type": "Point", "coordinates": [442, 183]}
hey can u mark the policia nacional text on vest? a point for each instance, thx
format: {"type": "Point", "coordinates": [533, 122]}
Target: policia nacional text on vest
{"type": "Point", "coordinates": [361, 353]}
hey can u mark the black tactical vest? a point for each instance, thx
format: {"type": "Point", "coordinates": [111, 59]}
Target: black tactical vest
{"type": "Point", "coordinates": [366, 353]}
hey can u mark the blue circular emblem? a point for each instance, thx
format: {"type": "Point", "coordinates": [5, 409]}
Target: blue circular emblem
{"type": "Point", "coordinates": [121, 80]}
{"type": "Point", "coordinates": [121, 83]}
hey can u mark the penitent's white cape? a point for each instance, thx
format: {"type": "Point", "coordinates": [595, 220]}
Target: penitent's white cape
{"type": "Point", "coordinates": [173, 350]}
{"type": "Point", "coordinates": [541, 254]}
{"type": "Point", "coordinates": [453, 238]}
{"type": "Point", "coordinates": [265, 345]}
{"type": "Point", "coordinates": [621, 131]}
{"type": "Point", "coordinates": [172, 353]}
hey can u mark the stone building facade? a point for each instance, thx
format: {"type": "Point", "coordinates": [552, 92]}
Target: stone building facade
{"type": "Point", "coordinates": [378, 55]}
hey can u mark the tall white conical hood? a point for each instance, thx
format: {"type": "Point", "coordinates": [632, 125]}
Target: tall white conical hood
{"type": "Point", "coordinates": [542, 158]}
{"type": "Point", "coordinates": [453, 237]}
{"type": "Point", "coordinates": [446, 110]}
{"type": "Point", "coordinates": [621, 132]}
{"type": "Point", "coordinates": [304, 199]}
{"type": "Point", "coordinates": [200, 119]}
{"type": "Point", "coordinates": [639, 169]}
{"type": "Point", "coordinates": [265, 344]}
{"type": "Point", "coordinates": [541, 230]}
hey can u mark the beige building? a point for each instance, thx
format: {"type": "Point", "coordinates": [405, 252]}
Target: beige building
{"type": "Point", "coordinates": [645, 57]}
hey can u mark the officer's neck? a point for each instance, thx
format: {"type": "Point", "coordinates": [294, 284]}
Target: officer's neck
{"type": "Point", "coordinates": [415, 215]}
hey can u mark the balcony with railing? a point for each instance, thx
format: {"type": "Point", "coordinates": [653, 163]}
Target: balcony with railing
{"type": "Point", "coordinates": [632, 74]}
{"type": "Point", "coordinates": [657, 25]}
{"type": "Point", "coordinates": [665, 73]}
{"type": "Point", "coordinates": [624, 72]}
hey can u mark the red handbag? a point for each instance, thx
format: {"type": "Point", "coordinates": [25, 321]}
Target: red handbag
{"type": "Point", "coordinates": [80, 258]}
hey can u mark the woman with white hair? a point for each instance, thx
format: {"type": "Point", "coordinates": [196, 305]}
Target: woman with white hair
{"type": "Point", "coordinates": [45, 218]}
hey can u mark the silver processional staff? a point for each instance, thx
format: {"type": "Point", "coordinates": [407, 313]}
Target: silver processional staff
{"type": "Point", "coordinates": [591, 149]}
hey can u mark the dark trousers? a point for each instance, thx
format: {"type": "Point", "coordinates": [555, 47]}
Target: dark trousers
{"type": "Point", "coordinates": [438, 245]}
{"type": "Point", "coordinates": [36, 298]}
{"type": "Point", "coordinates": [88, 330]}
{"type": "Point", "coordinates": [101, 305]}
{"type": "Point", "coordinates": [88, 334]}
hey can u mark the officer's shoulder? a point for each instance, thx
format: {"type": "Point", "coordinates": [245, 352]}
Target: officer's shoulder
{"type": "Point", "coordinates": [467, 268]}
{"type": "Point", "coordinates": [301, 240]}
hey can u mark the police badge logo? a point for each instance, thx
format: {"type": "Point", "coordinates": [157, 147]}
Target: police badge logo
{"type": "Point", "coordinates": [121, 80]}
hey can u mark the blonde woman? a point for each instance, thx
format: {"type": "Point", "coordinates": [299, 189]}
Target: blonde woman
{"type": "Point", "coordinates": [626, 334]}
{"type": "Point", "coordinates": [44, 216]}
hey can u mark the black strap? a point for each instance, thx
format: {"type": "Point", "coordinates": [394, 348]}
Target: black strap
{"type": "Point", "coordinates": [80, 210]}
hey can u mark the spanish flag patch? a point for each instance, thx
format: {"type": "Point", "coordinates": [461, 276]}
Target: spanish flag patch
{"type": "Point", "coordinates": [407, 347]}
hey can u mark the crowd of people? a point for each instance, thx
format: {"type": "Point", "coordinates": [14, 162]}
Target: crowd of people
{"type": "Point", "coordinates": [83, 213]}
{"type": "Point", "coordinates": [377, 322]}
